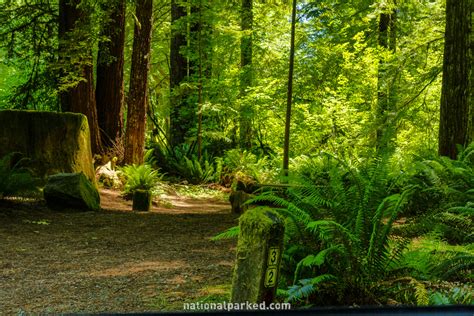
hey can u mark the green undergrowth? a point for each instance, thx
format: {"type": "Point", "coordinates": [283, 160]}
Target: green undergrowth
{"type": "Point", "coordinates": [196, 191]}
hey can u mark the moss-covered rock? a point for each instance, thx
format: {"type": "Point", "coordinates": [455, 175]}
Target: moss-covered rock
{"type": "Point", "coordinates": [71, 191]}
{"type": "Point", "coordinates": [261, 230]}
{"type": "Point", "coordinates": [57, 142]}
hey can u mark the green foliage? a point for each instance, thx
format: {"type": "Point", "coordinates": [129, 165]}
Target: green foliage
{"type": "Point", "coordinates": [15, 177]}
{"type": "Point", "coordinates": [183, 163]}
{"type": "Point", "coordinates": [454, 296]}
{"type": "Point", "coordinates": [232, 232]}
{"type": "Point", "coordinates": [339, 245]}
{"type": "Point", "coordinates": [198, 171]}
{"type": "Point", "coordinates": [443, 197]}
{"type": "Point", "coordinates": [140, 177]}
{"type": "Point", "coordinates": [28, 41]}
{"type": "Point", "coordinates": [430, 258]}
{"type": "Point", "coordinates": [344, 219]}
{"type": "Point", "coordinates": [246, 167]}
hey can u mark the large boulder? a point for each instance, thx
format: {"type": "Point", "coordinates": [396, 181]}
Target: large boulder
{"type": "Point", "coordinates": [71, 191]}
{"type": "Point", "coordinates": [56, 142]}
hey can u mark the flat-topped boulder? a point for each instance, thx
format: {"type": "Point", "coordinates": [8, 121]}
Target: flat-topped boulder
{"type": "Point", "coordinates": [71, 191]}
{"type": "Point", "coordinates": [57, 142]}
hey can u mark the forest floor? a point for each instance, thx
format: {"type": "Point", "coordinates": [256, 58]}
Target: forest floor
{"type": "Point", "coordinates": [114, 260]}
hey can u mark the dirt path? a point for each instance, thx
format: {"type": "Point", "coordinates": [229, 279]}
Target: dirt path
{"type": "Point", "coordinates": [114, 260]}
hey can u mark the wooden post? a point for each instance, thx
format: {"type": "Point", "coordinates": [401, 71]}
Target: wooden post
{"type": "Point", "coordinates": [259, 252]}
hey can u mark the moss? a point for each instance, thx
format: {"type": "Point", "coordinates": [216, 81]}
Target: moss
{"type": "Point", "coordinates": [258, 222]}
{"type": "Point", "coordinates": [71, 190]}
{"type": "Point", "coordinates": [260, 228]}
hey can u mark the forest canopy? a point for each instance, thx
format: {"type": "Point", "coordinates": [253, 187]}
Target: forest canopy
{"type": "Point", "coordinates": [217, 72]}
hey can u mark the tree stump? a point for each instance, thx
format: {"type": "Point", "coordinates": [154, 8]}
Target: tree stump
{"type": "Point", "coordinates": [142, 200]}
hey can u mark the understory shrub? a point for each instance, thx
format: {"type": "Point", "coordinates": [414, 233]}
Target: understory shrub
{"type": "Point", "coordinates": [183, 163]}
{"type": "Point", "coordinates": [140, 177]}
{"type": "Point", "coordinates": [246, 167]}
{"type": "Point", "coordinates": [339, 246]}
{"type": "Point", "coordinates": [346, 239]}
{"type": "Point", "coordinates": [15, 176]}
{"type": "Point", "coordinates": [443, 199]}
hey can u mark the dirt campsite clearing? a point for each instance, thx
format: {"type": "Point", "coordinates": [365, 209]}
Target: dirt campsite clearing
{"type": "Point", "coordinates": [114, 260]}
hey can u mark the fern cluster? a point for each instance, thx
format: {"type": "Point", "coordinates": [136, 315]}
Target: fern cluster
{"type": "Point", "coordinates": [339, 243]}
{"type": "Point", "coordinates": [443, 200]}
{"type": "Point", "coordinates": [183, 163]}
{"type": "Point", "coordinates": [140, 177]}
{"type": "Point", "coordinates": [245, 167]}
{"type": "Point", "coordinates": [339, 228]}
{"type": "Point", "coordinates": [15, 176]}
{"type": "Point", "coordinates": [198, 171]}
{"type": "Point", "coordinates": [343, 238]}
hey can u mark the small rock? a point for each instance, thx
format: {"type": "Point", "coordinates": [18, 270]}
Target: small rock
{"type": "Point", "coordinates": [108, 176]}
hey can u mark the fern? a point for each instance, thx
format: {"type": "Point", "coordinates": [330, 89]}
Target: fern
{"type": "Point", "coordinates": [421, 294]}
{"type": "Point", "coordinates": [232, 232]}
{"type": "Point", "coordinates": [443, 196]}
{"type": "Point", "coordinates": [306, 287]}
{"type": "Point", "coordinates": [15, 177]}
{"type": "Point", "coordinates": [315, 260]}
{"type": "Point", "coordinates": [459, 265]}
{"type": "Point", "coordinates": [346, 215]}
{"type": "Point", "coordinates": [140, 177]}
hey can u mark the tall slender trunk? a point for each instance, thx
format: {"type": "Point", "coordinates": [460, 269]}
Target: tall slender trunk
{"type": "Point", "coordinates": [110, 85]}
{"type": "Point", "coordinates": [289, 99]}
{"type": "Point", "coordinates": [200, 100]}
{"type": "Point", "coordinates": [246, 75]}
{"type": "Point", "coordinates": [138, 91]}
{"type": "Point", "coordinates": [178, 74]}
{"type": "Point", "coordinates": [457, 88]}
{"type": "Point", "coordinates": [75, 58]}
{"type": "Point", "coordinates": [471, 77]}
{"type": "Point", "coordinates": [387, 37]}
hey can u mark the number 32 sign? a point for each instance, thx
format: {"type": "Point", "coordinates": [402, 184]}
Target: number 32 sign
{"type": "Point", "coordinates": [272, 269]}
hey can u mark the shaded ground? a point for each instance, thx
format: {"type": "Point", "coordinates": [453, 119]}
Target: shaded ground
{"type": "Point", "coordinates": [114, 260]}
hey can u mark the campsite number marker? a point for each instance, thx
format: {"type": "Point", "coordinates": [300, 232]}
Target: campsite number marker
{"type": "Point", "coordinates": [271, 273]}
{"type": "Point", "coordinates": [273, 255]}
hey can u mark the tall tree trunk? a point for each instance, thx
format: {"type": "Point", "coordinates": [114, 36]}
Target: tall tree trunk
{"type": "Point", "coordinates": [471, 77]}
{"type": "Point", "coordinates": [387, 38]}
{"type": "Point", "coordinates": [200, 66]}
{"type": "Point", "coordinates": [138, 94]}
{"type": "Point", "coordinates": [456, 89]}
{"type": "Point", "coordinates": [75, 58]}
{"type": "Point", "coordinates": [246, 75]}
{"type": "Point", "coordinates": [110, 86]}
{"type": "Point", "coordinates": [178, 72]}
{"type": "Point", "coordinates": [289, 100]}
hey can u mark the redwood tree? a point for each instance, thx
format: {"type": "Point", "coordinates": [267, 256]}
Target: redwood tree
{"type": "Point", "coordinates": [456, 89]}
{"type": "Point", "coordinates": [75, 60]}
{"type": "Point", "coordinates": [110, 60]}
{"type": "Point", "coordinates": [178, 72]}
{"type": "Point", "coordinates": [137, 98]}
